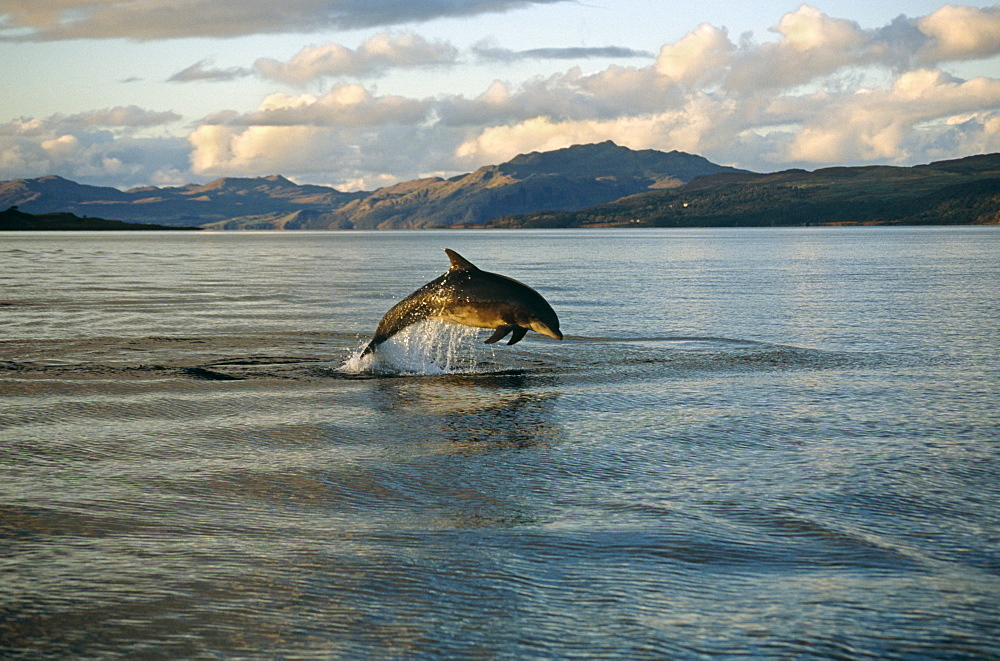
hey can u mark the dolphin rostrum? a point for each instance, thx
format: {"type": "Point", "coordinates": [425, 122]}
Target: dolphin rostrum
{"type": "Point", "coordinates": [470, 297]}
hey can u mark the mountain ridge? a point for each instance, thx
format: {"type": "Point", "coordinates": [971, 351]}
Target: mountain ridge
{"type": "Point", "coordinates": [956, 191]}
{"type": "Point", "coordinates": [563, 179]}
{"type": "Point", "coordinates": [592, 185]}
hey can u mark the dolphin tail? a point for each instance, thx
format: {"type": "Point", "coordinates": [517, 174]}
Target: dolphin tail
{"type": "Point", "coordinates": [374, 344]}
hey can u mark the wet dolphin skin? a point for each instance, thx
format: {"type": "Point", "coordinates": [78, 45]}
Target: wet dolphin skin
{"type": "Point", "coordinates": [469, 296]}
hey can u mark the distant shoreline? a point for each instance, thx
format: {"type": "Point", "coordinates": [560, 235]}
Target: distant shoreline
{"type": "Point", "coordinates": [14, 220]}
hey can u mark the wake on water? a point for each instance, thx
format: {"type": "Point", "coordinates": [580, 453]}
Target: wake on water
{"type": "Point", "coordinates": [432, 348]}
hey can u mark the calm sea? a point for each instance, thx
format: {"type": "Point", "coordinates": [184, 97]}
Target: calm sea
{"type": "Point", "coordinates": [765, 443]}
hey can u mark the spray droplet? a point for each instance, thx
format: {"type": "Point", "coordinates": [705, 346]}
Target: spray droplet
{"type": "Point", "coordinates": [430, 347]}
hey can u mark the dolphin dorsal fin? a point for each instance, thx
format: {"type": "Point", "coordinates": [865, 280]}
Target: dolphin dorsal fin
{"type": "Point", "coordinates": [459, 263]}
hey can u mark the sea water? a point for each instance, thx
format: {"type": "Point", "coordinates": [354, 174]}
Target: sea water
{"type": "Point", "coordinates": [761, 442]}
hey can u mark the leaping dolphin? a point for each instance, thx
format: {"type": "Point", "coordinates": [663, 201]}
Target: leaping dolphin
{"type": "Point", "coordinates": [468, 296]}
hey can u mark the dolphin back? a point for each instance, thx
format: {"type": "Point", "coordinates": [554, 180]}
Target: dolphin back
{"type": "Point", "coordinates": [416, 307]}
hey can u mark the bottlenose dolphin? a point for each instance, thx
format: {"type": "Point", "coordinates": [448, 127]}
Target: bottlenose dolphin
{"type": "Point", "coordinates": [468, 296]}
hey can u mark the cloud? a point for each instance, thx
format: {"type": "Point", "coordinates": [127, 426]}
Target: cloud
{"type": "Point", "coordinates": [889, 124]}
{"type": "Point", "coordinates": [809, 98]}
{"type": "Point", "coordinates": [815, 45]}
{"type": "Point", "coordinates": [373, 58]}
{"type": "Point", "coordinates": [343, 106]}
{"type": "Point", "coordinates": [344, 157]}
{"type": "Point", "coordinates": [380, 54]}
{"type": "Point", "coordinates": [198, 72]}
{"type": "Point", "coordinates": [812, 45]}
{"type": "Point", "coordinates": [102, 147]}
{"type": "Point", "coordinates": [615, 92]}
{"type": "Point", "coordinates": [348, 136]}
{"type": "Point", "coordinates": [698, 126]}
{"type": "Point", "coordinates": [175, 19]}
{"type": "Point", "coordinates": [487, 50]}
{"type": "Point", "coordinates": [253, 149]}
{"type": "Point", "coordinates": [960, 33]}
{"type": "Point", "coordinates": [823, 90]}
{"type": "Point", "coordinates": [122, 118]}
{"type": "Point", "coordinates": [696, 57]}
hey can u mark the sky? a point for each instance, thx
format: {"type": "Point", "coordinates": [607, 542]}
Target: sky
{"type": "Point", "coordinates": [360, 94]}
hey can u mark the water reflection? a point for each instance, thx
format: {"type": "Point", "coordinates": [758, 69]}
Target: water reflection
{"type": "Point", "coordinates": [470, 412]}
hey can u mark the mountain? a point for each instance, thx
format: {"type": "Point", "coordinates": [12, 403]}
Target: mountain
{"type": "Point", "coordinates": [560, 180]}
{"type": "Point", "coordinates": [962, 191]}
{"type": "Point", "coordinates": [565, 179]}
{"type": "Point", "coordinates": [595, 185]}
{"type": "Point", "coordinates": [190, 205]}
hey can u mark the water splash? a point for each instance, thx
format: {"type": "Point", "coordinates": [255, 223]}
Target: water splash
{"type": "Point", "coordinates": [429, 347]}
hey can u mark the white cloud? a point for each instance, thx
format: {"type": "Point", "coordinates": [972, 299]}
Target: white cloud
{"type": "Point", "coordinates": [101, 146]}
{"type": "Point", "coordinates": [699, 126]}
{"type": "Point", "coordinates": [801, 100]}
{"type": "Point", "coordinates": [61, 147]}
{"type": "Point", "coordinates": [824, 90]}
{"type": "Point", "coordinates": [174, 19]}
{"type": "Point", "coordinates": [125, 117]}
{"type": "Point", "coordinates": [614, 92]}
{"type": "Point", "coordinates": [220, 150]}
{"type": "Point", "coordinates": [344, 137]}
{"type": "Point", "coordinates": [798, 100]}
{"type": "Point", "coordinates": [808, 29]}
{"type": "Point", "coordinates": [343, 157]}
{"type": "Point", "coordinates": [960, 33]}
{"type": "Point", "coordinates": [373, 58]}
{"type": "Point", "coordinates": [696, 58]}
{"type": "Point", "coordinates": [343, 106]}
{"type": "Point", "coordinates": [813, 45]}
{"type": "Point", "coordinates": [379, 55]}
{"type": "Point", "coordinates": [891, 125]}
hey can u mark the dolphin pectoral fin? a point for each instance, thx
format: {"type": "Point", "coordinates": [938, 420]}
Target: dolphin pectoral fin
{"type": "Point", "coordinates": [500, 333]}
{"type": "Point", "coordinates": [517, 336]}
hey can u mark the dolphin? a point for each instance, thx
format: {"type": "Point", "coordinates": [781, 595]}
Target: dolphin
{"type": "Point", "coordinates": [468, 296]}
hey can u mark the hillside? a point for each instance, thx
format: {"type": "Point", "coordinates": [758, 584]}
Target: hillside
{"type": "Point", "coordinates": [565, 179]}
{"type": "Point", "coordinates": [15, 220]}
{"type": "Point", "coordinates": [963, 191]}
{"type": "Point", "coordinates": [190, 205]}
{"type": "Point", "coordinates": [596, 185]}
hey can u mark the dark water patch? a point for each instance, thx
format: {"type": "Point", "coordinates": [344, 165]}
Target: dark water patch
{"type": "Point", "coordinates": [262, 360]}
{"type": "Point", "coordinates": [483, 372]}
{"type": "Point", "coordinates": [832, 543]}
{"type": "Point", "coordinates": [194, 357]}
{"type": "Point", "coordinates": [207, 374]}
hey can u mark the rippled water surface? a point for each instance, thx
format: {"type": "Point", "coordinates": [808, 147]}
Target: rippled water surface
{"type": "Point", "coordinates": [751, 443]}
